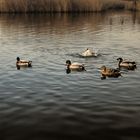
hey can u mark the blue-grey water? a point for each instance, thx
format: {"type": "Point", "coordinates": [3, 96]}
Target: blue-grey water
{"type": "Point", "coordinates": [46, 103]}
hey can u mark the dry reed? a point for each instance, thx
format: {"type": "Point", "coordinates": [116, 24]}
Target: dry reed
{"type": "Point", "coordinates": [61, 5]}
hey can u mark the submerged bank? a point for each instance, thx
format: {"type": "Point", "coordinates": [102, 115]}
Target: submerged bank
{"type": "Point", "coordinates": [42, 6]}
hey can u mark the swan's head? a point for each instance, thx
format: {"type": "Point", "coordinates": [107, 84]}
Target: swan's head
{"type": "Point", "coordinates": [18, 59]}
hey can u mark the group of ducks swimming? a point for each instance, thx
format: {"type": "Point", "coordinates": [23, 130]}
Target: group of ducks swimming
{"type": "Point", "coordinates": [105, 72]}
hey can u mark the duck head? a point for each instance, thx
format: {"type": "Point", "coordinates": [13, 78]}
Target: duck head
{"type": "Point", "coordinates": [18, 59]}
{"type": "Point", "coordinates": [120, 59]}
{"type": "Point", "coordinates": [103, 68]}
{"type": "Point", "coordinates": [68, 63]}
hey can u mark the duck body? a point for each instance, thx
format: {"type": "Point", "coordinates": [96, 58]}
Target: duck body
{"type": "Point", "coordinates": [23, 63]}
{"type": "Point", "coordinates": [130, 65]}
{"type": "Point", "coordinates": [74, 66]}
{"type": "Point", "coordinates": [88, 53]}
{"type": "Point", "coordinates": [108, 72]}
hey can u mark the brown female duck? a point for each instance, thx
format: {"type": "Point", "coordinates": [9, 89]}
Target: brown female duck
{"type": "Point", "coordinates": [108, 72]}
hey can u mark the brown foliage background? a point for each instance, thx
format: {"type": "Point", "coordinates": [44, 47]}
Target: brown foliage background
{"type": "Point", "coordinates": [63, 5]}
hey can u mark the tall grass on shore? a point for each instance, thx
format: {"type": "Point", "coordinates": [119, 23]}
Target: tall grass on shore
{"type": "Point", "coordinates": [26, 6]}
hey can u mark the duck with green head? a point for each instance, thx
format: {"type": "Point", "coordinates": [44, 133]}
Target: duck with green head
{"type": "Point", "coordinates": [130, 65]}
{"type": "Point", "coordinates": [23, 63]}
{"type": "Point", "coordinates": [74, 66]}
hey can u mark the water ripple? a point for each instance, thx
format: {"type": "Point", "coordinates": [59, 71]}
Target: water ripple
{"type": "Point", "coordinates": [44, 101]}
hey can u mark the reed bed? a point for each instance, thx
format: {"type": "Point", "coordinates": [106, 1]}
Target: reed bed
{"type": "Point", "coordinates": [26, 6]}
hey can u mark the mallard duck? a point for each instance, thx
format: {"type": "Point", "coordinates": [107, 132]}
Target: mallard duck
{"type": "Point", "coordinates": [23, 63]}
{"type": "Point", "coordinates": [109, 72]}
{"type": "Point", "coordinates": [74, 66]}
{"type": "Point", "coordinates": [88, 53]}
{"type": "Point", "coordinates": [130, 65]}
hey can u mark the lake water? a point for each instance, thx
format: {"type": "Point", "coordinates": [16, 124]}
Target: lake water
{"type": "Point", "coordinates": [46, 103]}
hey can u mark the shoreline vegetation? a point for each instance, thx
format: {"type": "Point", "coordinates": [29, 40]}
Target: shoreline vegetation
{"type": "Point", "coordinates": [66, 6]}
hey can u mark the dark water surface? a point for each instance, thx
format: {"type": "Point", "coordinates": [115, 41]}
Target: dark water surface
{"type": "Point", "coordinates": [45, 103]}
